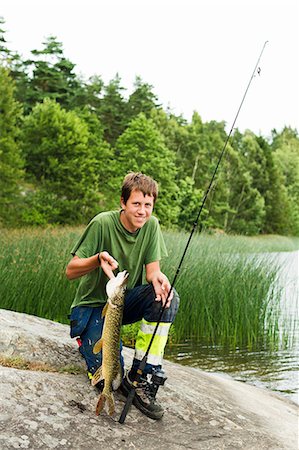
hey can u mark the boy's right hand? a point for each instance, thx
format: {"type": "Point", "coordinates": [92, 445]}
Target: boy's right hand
{"type": "Point", "coordinates": [108, 264]}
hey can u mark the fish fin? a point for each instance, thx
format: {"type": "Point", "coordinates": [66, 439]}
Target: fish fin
{"type": "Point", "coordinates": [100, 404]}
{"type": "Point", "coordinates": [105, 309]}
{"type": "Point", "coordinates": [118, 379]}
{"type": "Point", "coordinates": [98, 346]}
{"type": "Point", "coordinates": [97, 376]}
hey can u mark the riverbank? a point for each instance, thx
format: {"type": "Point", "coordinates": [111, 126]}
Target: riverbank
{"type": "Point", "coordinates": [43, 408]}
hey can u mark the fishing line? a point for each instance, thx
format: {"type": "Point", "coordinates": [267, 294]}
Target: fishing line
{"type": "Point", "coordinates": [142, 364]}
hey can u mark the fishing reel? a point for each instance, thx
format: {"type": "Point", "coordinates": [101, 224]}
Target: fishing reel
{"type": "Point", "coordinates": [158, 379]}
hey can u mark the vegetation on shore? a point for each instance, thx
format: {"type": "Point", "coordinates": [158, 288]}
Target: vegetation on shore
{"type": "Point", "coordinates": [227, 288]}
{"type": "Point", "coordinates": [67, 142]}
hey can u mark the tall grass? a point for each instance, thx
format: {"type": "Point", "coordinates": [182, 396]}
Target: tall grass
{"type": "Point", "coordinates": [226, 295]}
{"type": "Point", "coordinates": [229, 294]}
{"type": "Point", "coordinates": [32, 268]}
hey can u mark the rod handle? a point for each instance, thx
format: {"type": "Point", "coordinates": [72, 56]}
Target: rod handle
{"type": "Point", "coordinates": [128, 404]}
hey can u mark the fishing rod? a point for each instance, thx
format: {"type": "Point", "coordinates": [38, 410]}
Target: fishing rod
{"type": "Point", "coordinates": [142, 364]}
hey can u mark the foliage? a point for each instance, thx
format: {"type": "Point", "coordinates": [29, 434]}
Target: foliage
{"type": "Point", "coordinates": [246, 212]}
{"type": "Point", "coordinates": [80, 137]}
{"type": "Point", "coordinates": [60, 163]}
{"type": "Point", "coordinates": [112, 110]}
{"type": "Point", "coordinates": [286, 155]}
{"type": "Point", "coordinates": [11, 162]}
{"type": "Point", "coordinates": [52, 76]}
{"type": "Point", "coordinates": [142, 100]}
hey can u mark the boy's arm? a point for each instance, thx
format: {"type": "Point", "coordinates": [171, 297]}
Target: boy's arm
{"type": "Point", "coordinates": [77, 267]}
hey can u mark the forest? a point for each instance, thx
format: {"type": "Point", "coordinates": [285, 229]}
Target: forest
{"type": "Point", "coordinates": [66, 143]}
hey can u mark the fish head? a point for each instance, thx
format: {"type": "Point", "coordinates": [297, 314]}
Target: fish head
{"type": "Point", "coordinates": [116, 286]}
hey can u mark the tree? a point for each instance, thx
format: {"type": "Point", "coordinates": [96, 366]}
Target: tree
{"type": "Point", "coordinates": [189, 201]}
{"type": "Point", "coordinates": [4, 51]}
{"type": "Point", "coordinates": [267, 178]}
{"type": "Point", "coordinates": [174, 131]}
{"type": "Point", "coordinates": [11, 162]}
{"type": "Point", "coordinates": [51, 75]}
{"type": "Point", "coordinates": [88, 94]}
{"type": "Point", "coordinates": [202, 152]}
{"type": "Point", "coordinates": [245, 205]}
{"type": "Point", "coordinates": [103, 154]}
{"type": "Point", "coordinates": [286, 155]}
{"type": "Point", "coordinates": [273, 190]}
{"type": "Point", "coordinates": [61, 165]}
{"type": "Point", "coordinates": [6, 54]}
{"type": "Point", "coordinates": [141, 148]}
{"type": "Point", "coordinates": [17, 69]}
{"type": "Point", "coordinates": [113, 110]}
{"type": "Point", "coordinates": [142, 100]}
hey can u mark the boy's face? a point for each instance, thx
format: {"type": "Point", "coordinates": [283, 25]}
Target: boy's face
{"type": "Point", "coordinates": [137, 211]}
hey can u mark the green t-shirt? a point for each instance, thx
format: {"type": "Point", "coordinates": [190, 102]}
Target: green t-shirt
{"type": "Point", "coordinates": [132, 251]}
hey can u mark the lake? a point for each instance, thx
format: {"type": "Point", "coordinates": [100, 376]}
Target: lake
{"type": "Point", "coordinates": [276, 369]}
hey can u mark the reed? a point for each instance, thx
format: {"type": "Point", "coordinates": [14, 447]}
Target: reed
{"type": "Point", "coordinates": [227, 292]}
{"type": "Point", "coordinates": [228, 289]}
{"type": "Point", "coordinates": [32, 267]}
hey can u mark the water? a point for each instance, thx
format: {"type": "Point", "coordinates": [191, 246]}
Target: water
{"type": "Point", "coordinates": [277, 370]}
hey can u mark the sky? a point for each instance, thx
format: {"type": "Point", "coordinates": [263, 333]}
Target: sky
{"type": "Point", "coordinates": [199, 55]}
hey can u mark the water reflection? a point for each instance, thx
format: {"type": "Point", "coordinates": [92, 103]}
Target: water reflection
{"type": "Point", "coordinates": [277, 370]}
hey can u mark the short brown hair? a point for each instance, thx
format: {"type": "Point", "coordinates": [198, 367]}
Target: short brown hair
{"type": "Point", "coordinates": [139, 182]}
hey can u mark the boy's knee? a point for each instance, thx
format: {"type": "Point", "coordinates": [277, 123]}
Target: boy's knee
{"type": "Point", "coordinates": [152, 315]}
{"type": "Point", "coordinates": [171, 312]}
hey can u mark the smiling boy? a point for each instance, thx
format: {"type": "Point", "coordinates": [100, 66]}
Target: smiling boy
{"type": "Point", "coordinates": [129, 239]}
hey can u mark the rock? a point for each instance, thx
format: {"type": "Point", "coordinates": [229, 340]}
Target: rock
{"type": "Point", "coordinates": [52, 410]}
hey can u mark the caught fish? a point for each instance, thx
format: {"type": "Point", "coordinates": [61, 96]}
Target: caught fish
{"type": "Point", "coordinates": [110, 370]}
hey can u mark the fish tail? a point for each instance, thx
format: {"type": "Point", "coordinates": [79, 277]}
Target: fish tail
{"type": "Point", "coordinates": [111, 404]}
{"type": "Point", "coordinates": [101, 403]}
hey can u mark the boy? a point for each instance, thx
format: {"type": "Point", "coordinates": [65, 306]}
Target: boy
{"type": "Point", "coordinates": [130, 240]}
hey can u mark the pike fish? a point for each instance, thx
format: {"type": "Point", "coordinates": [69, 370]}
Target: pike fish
{"type": "Point", "coordinates": [110, 370]}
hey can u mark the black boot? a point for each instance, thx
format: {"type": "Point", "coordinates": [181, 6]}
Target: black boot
{"type": "Point", "coordinates": [144, 398]}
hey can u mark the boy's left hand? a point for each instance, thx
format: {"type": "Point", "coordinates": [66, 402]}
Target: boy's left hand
{"type": "Point", "coordinates": [162, 288]}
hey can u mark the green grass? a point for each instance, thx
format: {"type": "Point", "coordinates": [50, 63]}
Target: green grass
{"type": "Point", "coordinates": [32, 267]}
{"type": "Point", "coordinates": [227, 291]}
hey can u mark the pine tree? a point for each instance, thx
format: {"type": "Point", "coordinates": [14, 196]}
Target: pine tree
{"type": "Point", "coordinates": [142, 100]}
{"type": "Point", "coordinates": [11, 162]}
{"type": "Point", "coordinates": [113, 110]}
{"type": "Point", "coordinates": [286, 155]}
{"type": "Point", "coordinates": [52, 76]}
